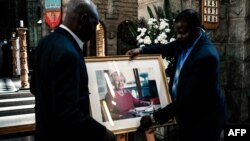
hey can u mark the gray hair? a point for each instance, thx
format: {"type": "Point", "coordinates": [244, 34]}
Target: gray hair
{"type": "Point", "coordinates": [114, 74]}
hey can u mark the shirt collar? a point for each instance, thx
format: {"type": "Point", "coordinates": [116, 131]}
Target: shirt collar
{"type": "Point", "coordinates": [196, 40]}
{"type": "Point", "coordinates": [78, 40]}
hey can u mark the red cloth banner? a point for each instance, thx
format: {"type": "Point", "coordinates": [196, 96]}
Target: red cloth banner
{"type": "Point", "coordinates": [53, 18]}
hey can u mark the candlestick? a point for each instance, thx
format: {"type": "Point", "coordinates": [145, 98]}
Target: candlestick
{"type": "Point", "coordinates": [23, 58]}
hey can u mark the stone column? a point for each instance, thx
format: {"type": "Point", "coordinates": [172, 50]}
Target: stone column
{"type": "Point", "coordinates": [15, 55]}
{"type": "Point", "coordinates": [23, 58]}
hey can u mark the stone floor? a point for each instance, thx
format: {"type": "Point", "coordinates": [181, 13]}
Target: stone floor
{"type": "Point", "coordinates": [15, 104]}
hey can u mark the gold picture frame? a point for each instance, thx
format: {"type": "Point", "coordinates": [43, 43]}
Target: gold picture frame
{"type": "Point", "coordinates": [145, 79]}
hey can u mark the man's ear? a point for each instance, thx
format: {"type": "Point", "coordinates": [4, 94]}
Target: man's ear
{"type": "Point", "coordinates": [84, 18]}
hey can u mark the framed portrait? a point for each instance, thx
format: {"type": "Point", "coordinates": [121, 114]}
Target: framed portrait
{"type": "Point", "coordinates": [124, 90]}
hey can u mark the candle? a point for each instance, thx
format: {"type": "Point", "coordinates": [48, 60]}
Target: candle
{"type": "Point", "coordinates": [21, 23]}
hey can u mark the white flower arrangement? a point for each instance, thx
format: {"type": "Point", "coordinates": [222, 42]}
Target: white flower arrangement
{"type": "Point", "coordinates": [156, 33]}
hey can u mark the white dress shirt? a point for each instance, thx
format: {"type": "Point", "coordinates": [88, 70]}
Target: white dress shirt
{"type": "Point", "coordinates": [78, 40]}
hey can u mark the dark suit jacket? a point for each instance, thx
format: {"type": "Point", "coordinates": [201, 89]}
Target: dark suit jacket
{"type": "Point", "coordinates": [59, 82]}
{"type": "Point", "coordinates": [200, 106]}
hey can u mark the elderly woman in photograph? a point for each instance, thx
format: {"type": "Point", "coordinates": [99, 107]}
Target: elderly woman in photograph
{"type": "Point", "coordinates": [122, 103]}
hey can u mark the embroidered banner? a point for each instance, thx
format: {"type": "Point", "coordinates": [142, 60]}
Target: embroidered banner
{"type": "Point", "coordinates": [53, 4]}
{"type": "Point", "coordinates": [53, 18]}
{"type": "Point", "coordinates": [53, 13]}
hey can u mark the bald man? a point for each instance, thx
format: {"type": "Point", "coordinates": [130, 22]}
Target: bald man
{"type": "Point", "coordinates": [59, 80]}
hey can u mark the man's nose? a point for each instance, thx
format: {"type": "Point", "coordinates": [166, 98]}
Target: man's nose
{"type": "Point", "coordinates": [178, 36]}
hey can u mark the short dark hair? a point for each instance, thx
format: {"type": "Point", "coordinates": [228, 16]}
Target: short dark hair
{"type": "Point", "coordinates": [191, 17]}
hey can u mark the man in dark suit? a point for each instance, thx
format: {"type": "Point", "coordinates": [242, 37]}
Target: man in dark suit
{"type": "Point", "coordinates": [197, 101]}
{"type": "Point", "coordinates": [6, 59]}
{"type": "Point", "coordinates": [59, 80]}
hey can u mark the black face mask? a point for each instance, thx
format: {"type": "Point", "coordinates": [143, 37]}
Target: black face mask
{"type": "Point", "coordinates": [193, 34]}
{"type": "Point", "coordinates": [84, 32]}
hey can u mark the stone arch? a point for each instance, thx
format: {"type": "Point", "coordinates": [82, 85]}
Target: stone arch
{"type": "Point", "coordinates": [101, 39]}
{"type": "Point", "coordinates": [97, 45]}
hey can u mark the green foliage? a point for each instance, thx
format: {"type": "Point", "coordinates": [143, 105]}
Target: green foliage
{"type": "Point", "coordinates": [167, 10]}
{"type": "Point", "coordinates": [150, 13]}
{"type": "Point", "coordinates": [164, 13]}
{"type": "Point", "coordinates": [133, 26]}
{"type": "Point", "coordinates": [159, 13]}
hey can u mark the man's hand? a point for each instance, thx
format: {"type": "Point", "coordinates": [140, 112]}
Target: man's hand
{"type": "Point", "coordinates": [145, 123]}
{"type": "Point", "coordinates": [133, 52]}
{"type": "Point", "coordinates": [109, 136]}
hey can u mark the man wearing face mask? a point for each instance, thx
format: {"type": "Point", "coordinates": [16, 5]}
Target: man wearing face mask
{"type": "Point", "coordinates": [59, 80]}
{"type": "Point", "coordinates": [197, 101]}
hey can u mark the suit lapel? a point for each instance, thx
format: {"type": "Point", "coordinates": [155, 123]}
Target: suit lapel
{"type": "Point", "coordinates": [75, 44]}
{"type": "Point", "coordinates": [192, 53]}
